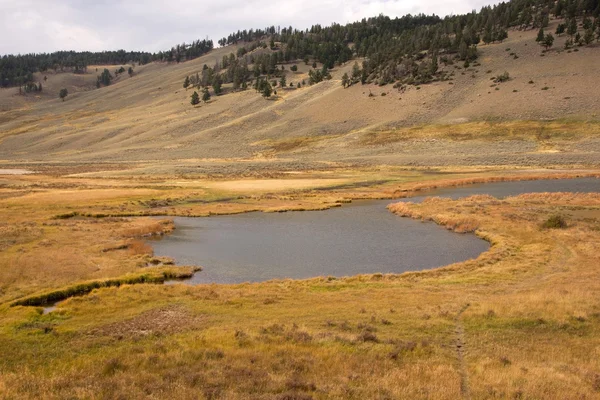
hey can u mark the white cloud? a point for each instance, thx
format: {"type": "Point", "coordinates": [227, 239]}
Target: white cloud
{"type": "Point", "coordinates": [152, 25]}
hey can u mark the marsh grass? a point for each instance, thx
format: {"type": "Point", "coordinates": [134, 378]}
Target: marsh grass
{"type": "Point", "coordinates": [155, 277]}
{"type": "Point", "coordinates": [555, 222]}
{"type": "Point", "coordinates": [362, 337]}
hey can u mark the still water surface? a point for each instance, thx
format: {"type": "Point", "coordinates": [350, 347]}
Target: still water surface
{"type": "Point", "coordinates": [359, 238]}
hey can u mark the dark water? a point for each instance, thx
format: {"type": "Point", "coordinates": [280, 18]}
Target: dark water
{"type": "Point", "coordinates": [504, 189]}
{"type": "Point", "coordinates": [363, 237]}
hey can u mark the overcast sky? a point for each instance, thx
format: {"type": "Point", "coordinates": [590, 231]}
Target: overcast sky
{"type": "Point", "coordinates": [151, 25]}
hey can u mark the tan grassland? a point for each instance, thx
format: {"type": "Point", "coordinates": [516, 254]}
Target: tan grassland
{"type": "Point", "coordinates": [519, 321]}
{"type": "Point", "coordinates": [148, 119]}
{"type": "Point", "coordinates": [87, 184]}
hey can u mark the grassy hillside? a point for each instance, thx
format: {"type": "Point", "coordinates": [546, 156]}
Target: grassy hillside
{"type": "Point", "coordinates": [148, 116]}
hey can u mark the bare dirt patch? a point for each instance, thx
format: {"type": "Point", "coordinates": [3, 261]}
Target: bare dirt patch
{"type": "Point", "coordinates": [168, 320]}
{"type": "Point", "coordinates": [15, 172]}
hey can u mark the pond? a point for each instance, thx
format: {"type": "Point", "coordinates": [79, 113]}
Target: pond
{"type": "Point", "coordinates": [358, 238]}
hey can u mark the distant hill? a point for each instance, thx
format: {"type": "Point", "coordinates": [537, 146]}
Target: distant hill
{"type": "Point", "coordinates": [379, 90]}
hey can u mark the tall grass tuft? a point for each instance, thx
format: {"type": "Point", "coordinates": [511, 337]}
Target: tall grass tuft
{"type": "Point", "coordinates": [554, 222]}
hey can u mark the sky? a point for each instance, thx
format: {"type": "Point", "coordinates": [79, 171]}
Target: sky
{"type": "Point", "coordinates": [33, 26]}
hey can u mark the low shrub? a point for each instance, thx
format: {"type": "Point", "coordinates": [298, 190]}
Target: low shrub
{"type": "Point", "coordinates": [555, 222]}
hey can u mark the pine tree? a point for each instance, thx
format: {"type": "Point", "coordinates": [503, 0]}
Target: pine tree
{"type": "Point", "coordinates": [588, 37]}
{"type": "Point", "coordinates": [186, 82]}
{"type": "Point", "coordinates": [267, 90]}
{"type": "Point", "coordinates": [130, 71]}
{"type": "Point", "coordinates": [195, 98]}
{"type": "Point", "coordinates": [205, 95]}
{"type": "Point", "coordinates": [216, 84]}
{"type": "Point", "coordinates": [487, 35]}
{"type": "Point", "coordinates": [502, 35]}
{"type": "Point", "coordinates": [434, 63]}
{"type": "Point", "coordinates": [282, 81]}
{"type": "Point", "coordinates": [548, 41]}
{"type": "Point", "coordinates": [355, 72]}
{"type": "Point", "coordinates": [540, 36]}
{"type": "Point", "coordinates": [345, 80]}
{"type": "Point", "coordinates": [560, 29]}
{"type": "Point", "coordinates": [572, 27]}
{"type": "Point", "coordinates": [463, 50]}
{"type": "Point", "coordinates": [63, 93]}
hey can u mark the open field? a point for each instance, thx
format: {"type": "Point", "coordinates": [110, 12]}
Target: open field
{"type": "Point", "coordinates": [521, 321]}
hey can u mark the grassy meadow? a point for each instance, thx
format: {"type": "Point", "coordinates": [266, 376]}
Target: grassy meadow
{"type": "Point", "coordinates": [521, 321]}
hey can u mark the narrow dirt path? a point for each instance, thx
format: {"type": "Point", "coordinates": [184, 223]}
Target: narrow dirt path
{"type": "Point", "coordinates": [460, 353]}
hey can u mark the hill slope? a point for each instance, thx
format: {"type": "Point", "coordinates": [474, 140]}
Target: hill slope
{"type": "Point", "coordinates": [149, 117]}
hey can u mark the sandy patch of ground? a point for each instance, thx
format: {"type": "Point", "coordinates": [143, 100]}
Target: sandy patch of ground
{"type": "Point", "coordinates": [15, 172]}
{"type": "Point", "coordinates": [273, 184]}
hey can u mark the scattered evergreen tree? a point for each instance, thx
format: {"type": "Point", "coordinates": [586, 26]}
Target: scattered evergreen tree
{"type": "Point", "coordinates": [130, 71]}
{"type": "Point", "coordinates": [568, 43]}
{"type": "Point", "coordinates": [434, 63]}
{"type": "Point", "coordinates": [195, 98]}
{"type": "Point", "coordinates": [282, 81]}
{"type": "Point", "coordinates": [63, 94]}
{"type": "Point", "coordinates": [186, 83]}
{"type": "Point", "coordinates": [345, 80]}
{"type": "Point", "coordinates": [294, 68]}
{"type": "Point", "coordinates": [355, 73]}
{"type": "Point", "coordinates": [205, 95]}
{"type": "Point", "coordinates": [502, 35]}
{"type": "Point", "coordinates": [540, 36]}
{"type": "Point", "coordinates": [104, 78]}
{"type": "Point", "coordinates": [572, 27]}
{"type": "Point", "coordinates": [548, 41]}
{"type": "Point", "coordinates": [588, 36]}
{"type": "Point", "coordinates": [487, 35]}
{"type": "Point", "coordinates": [266, 90]}
{"type": "Point", "coordinates": [216, 84]}
{"type": "Point", "coordinates": [560, 29]}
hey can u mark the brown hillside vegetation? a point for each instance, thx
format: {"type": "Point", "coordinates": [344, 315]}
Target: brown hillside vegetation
{"type": "Point", "coordinates": [148, 116]}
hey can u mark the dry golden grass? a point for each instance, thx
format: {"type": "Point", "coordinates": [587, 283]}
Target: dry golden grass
{"type": "Point", "coordinates": [542, 131]}
{"type": "Point", "coordinates": [526, 312]}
